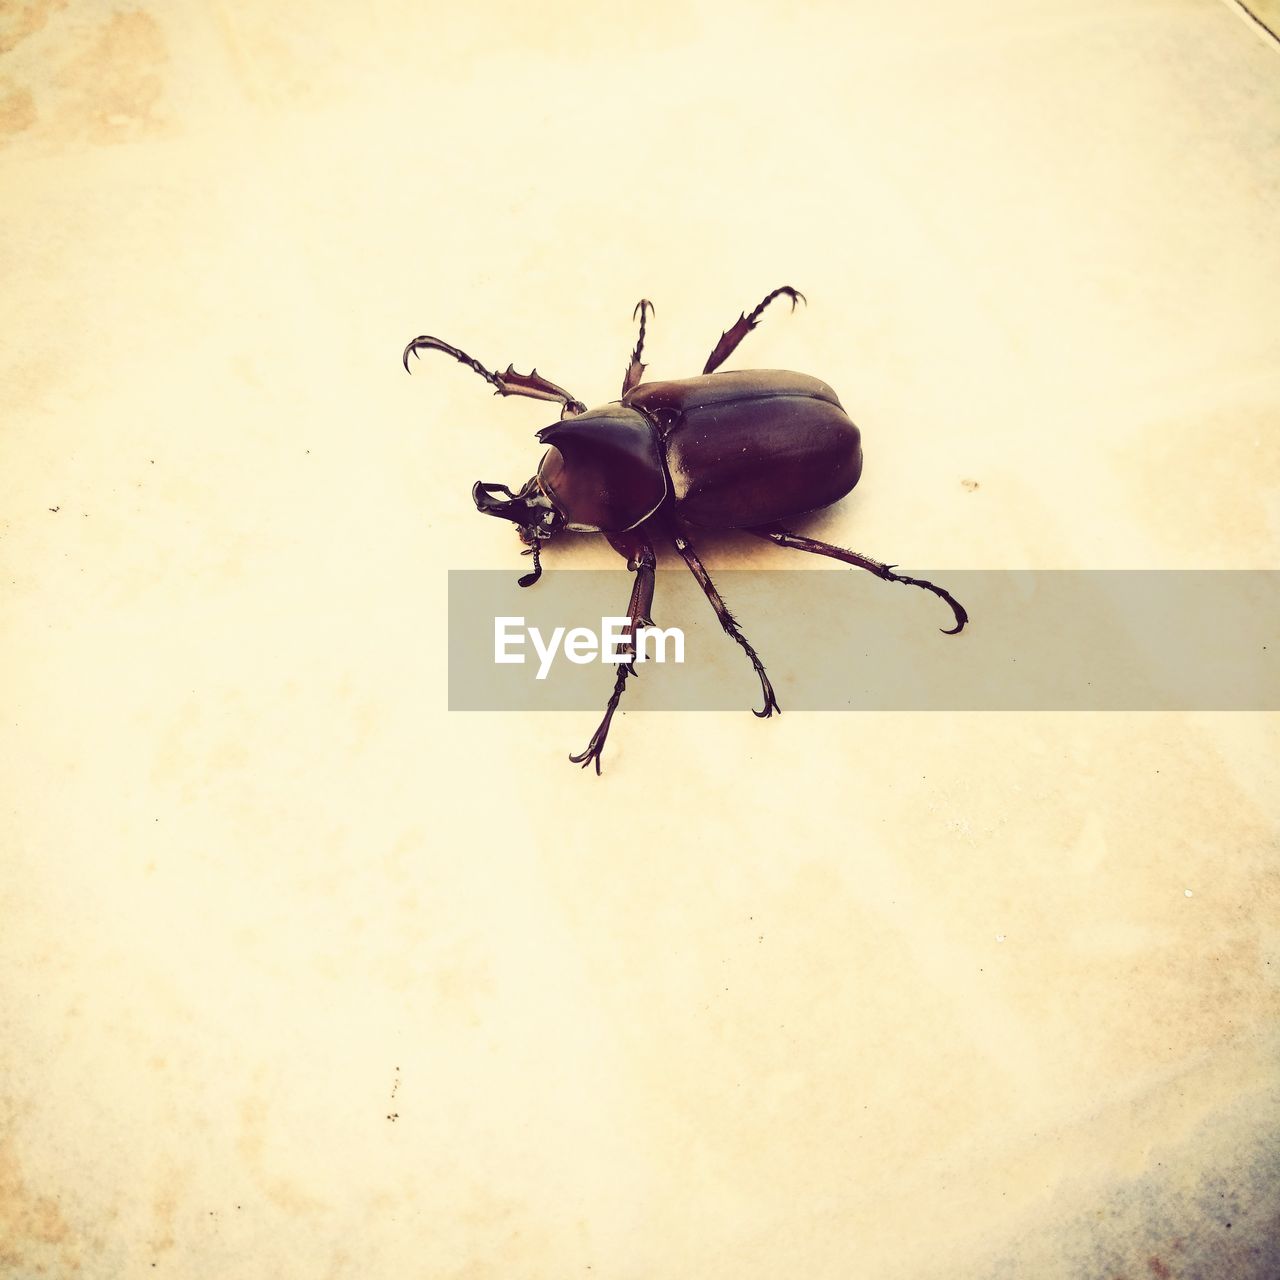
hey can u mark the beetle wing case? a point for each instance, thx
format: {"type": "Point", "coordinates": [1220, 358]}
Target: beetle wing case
{"type": "Point", "coordinates": [604, 469]}
{"type": "Point", "coordinates": [752, 446]}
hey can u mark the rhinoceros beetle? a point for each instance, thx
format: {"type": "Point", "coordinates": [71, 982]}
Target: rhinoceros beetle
{"type": "Point", "coordinates": [745, 450]}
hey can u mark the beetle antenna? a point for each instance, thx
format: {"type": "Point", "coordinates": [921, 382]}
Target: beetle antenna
{"type": "Point", "coordinates": [530, 578]}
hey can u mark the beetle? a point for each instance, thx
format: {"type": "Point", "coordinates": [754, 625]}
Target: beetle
{"type": "Point", "coordinates": [744, 449]}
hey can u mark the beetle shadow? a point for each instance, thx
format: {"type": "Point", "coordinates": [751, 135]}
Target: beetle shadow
{"type": "Point", "coordinates": [729, 549]}
{"type": "Point", "coordinates": [722, 549]}
{"type": "Point", "coordinates": [737, 549]}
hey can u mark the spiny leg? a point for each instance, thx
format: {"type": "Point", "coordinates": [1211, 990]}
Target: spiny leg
{"type": "Point", "coordinates": [785, 538]}
{"type": "Point", "coordinates": [641, 561]}
{"type": "Point", "coordinates": [511, 383]}
{"type": "Point", "coordinates": [730, 338]}
{"type": "Point", "coordinates": [635, 370]}
{"type": "Point", "coordinates": [729, 623]}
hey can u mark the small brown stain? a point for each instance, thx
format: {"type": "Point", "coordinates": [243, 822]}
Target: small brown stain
{"type": "Point", "coordinates": [114, 84]}
{"type": "Point", "coordinates": [30, 1224]}
{"type": "Point", "coordinates": [164, 1210]}
{"type": "Point", "coordinates": [252, 1143]}
{"type": "Point", "coordinates": [17, 111]}
{"type": "Point", "coordinates": [463, 987]}
{"type": "Point", "coordinates": [20, 21]}
{"type": "Point", "coordinates": [1157, 1268]}
{"type": "Point", "coordinates": [971, 485]}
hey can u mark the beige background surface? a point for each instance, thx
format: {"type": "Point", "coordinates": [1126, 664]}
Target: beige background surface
{"type": "Point", "coordinates": [303, 975]}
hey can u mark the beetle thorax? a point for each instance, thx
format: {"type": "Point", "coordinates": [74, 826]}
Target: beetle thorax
{"type": "Point", "coordinates": [604, 469]}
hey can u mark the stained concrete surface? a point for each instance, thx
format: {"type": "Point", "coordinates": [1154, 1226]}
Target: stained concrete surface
{"type": "Point", "coordinates": [305, 976]}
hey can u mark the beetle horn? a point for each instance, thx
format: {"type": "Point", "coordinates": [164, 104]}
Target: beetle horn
{"type": "Point", "coordinates": [528, 507]}
{"type": "Point", "coordinates": [530, 510]}
{"type": "Point", "coordinates": [487, 499]}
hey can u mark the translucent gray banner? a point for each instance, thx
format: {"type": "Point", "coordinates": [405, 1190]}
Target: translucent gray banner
{"type": "Point", "coordinates": [844, 641]}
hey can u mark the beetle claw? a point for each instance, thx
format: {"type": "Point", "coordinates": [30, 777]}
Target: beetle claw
{"type": "Point", "coordinates": [584, 758]}
{"type": "Point", "coordinates": [961, 618]}
{"type": "Point", "coordinates": [770, 706]}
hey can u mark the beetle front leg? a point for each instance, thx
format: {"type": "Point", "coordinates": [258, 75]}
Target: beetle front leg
{"type": "Point", "coordinates": [729, 623]}
{"type": "Point", "coordinates": [642, 562]}
{"type": "Point", "coordinates": [511, 383]}
{"type": "Point", "coordinates": [785, 538]}
{"type": "Point", "coordinates": [730, 338]}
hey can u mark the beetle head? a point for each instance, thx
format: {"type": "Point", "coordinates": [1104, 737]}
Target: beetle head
{"type": "Point", "coordinates": [534, 514]}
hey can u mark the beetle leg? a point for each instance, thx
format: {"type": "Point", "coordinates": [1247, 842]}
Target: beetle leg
{"type": "Point", "coordinates": [511, 383]}
{"type": "Point", "coordinates": [785, 538]}
{"type": "Point", "coordinates": [729, 623]}
{"type": "Point", "coordinates": [730, 338]}
{"type": "Point", "coordinates": [641, 561]}
{"type": "Point", "coordinates": [635, 370]}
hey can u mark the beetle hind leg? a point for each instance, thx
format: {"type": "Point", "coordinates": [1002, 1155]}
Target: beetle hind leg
{"type": "Point", "coordinates": [785, 538]}
{"type": "Point", "coordinates": [743, 325]}
{"type": "Point", "coordinates": [730, 625]}
{"type": "Point", "coordinates": [635, 370]}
